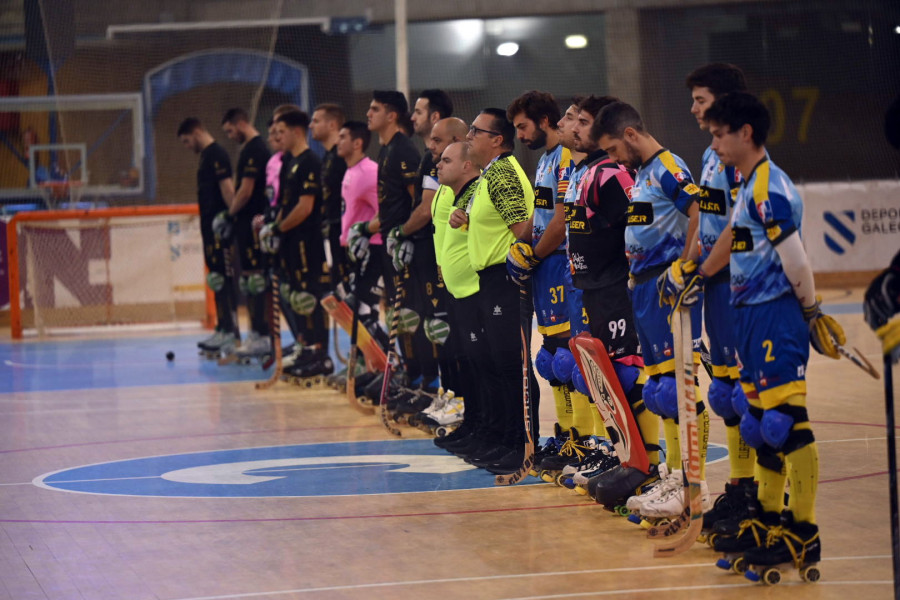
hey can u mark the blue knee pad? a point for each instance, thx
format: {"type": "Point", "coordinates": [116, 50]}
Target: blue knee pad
{"type": "Point", "coordinates": [719, 396]}
{"type": "Point", "coordinates": [667, 397]}
{"type": "Point", "coordinates": [739, 402]}
{"type": "Point", "coordinates": [563, 363]}
{"type": "Point", "coordinates": [579, 382]}
{"type": "Point", "coordinates": [775, 427]}
{"type": "Point", "coordinates": [751, 431]}
{"type": "Point", "coordinates": [649, 393]}
{"type": "Point", "coordinates": [543, 364]}
{"type": "Point", "coordinates": [628, 376]}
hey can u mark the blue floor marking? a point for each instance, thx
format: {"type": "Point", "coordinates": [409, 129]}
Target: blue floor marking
{"type": "Point", "coordinates": [119, 362]}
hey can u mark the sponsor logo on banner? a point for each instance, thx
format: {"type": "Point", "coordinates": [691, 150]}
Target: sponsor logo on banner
{"type": "Point", "coordinates": [839, 234]}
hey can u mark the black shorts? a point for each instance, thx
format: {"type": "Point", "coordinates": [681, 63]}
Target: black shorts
{"type": "Point", "coordinates": [213, 253]}
{"type": "Point", "coordinates": [248, 245]}
{"type": "Point", "coordinates": [303, 263]}
{"type": "Point", "coordinates": [429, 294]}
{"type": "Point", "coordinates": [611, 319]}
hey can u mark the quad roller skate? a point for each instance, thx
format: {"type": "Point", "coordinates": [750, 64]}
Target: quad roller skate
{"type": "Point", "coordinates": [255, 349]}
{"type": "Point", "coordinates": [666, 508]}
{"type": "Point", "coordinates": [550, 448]}
{"type": "Point", "coordinates": [603, 454]}
{"type": "Point", "coordinates": [614, 487]}
{"type": "Point", "coordinates": [310, 374]}
{"type": "Point", "coordinates": [651, 491]}
{"type": "Point", "coordinates": [220, 345]}
{"type": "Point", "coordinates": [752, 533]}
{"type": "Point", "coordinates": [572, 452]}
{"type": "Point", "coordinates": [728, 510]}
{"type": "Point", "coordinates": [789, 545]}
{"type": "Point", "coordinates": [444, 417]}
{"type": "Point", "coordinates": [408, 402]}
{"type": "Point", "coordinates": [370, 393]}
{"type": "Point", "coordinates": [594, 466]}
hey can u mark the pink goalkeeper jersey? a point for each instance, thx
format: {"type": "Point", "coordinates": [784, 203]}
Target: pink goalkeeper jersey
{"type": "Point", "coordinates": [273, 170]}
{"type": "Point", "coordinates": [360, 192]}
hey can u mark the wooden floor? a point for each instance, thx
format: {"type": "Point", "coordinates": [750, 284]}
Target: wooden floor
{"type": "Point", "coordinates": [167, 523]}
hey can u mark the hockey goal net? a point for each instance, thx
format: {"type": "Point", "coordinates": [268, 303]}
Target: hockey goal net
{"type": "Point", "coordinates": [75, 271]}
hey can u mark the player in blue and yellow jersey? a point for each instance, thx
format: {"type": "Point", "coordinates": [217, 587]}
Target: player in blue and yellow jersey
{"type": "Point", "coordinates": [662, 217]}
{"type": "Point", "coordinates": [719, 184]}
{"type": "Point", "coordinates": [776, 311]}
{"type": "Point", "coordinates": [541, 262]}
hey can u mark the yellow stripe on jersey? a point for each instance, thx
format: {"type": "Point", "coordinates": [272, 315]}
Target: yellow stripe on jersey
{"type": "Point", "coordinates": [565, 162]}
{"type": "Point", "coordinates": [761, 185]}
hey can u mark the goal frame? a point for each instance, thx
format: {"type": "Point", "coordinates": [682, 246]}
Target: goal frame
{"type": "Point", "coordinates": [12, 246]}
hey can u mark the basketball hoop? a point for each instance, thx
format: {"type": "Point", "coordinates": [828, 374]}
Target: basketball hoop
{"type": "Point", "coordinates": [56, 193]}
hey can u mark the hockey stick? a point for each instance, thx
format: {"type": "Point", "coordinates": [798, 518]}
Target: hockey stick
{"type": "Point", "coordinates": [687, 417]}
{"type": "Point", "coordinates": [859, 360]}
{"type": "Point", "coordinates": [275, 326]}
{"type": "Point", "coordinates": [892, 468]}
{"type": "Point", "coordinates": [389, 367]}
{"type": "Point", "coordinates": [342, 358]}
{"type": "Point", "coordinates": [528, 461]}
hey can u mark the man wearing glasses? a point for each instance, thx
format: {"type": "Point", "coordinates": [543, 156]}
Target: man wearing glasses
{"type": "Point", "coordinates": [497, 215]}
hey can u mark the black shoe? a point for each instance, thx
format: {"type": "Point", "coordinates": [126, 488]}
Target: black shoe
{"type": "Point", "coordinates": [478, 450]}
{"type": "Point", "coordinates": [462, 441]}
{"type": "Point", "coordinates": [509, 463]}
{"type": "Point", "coordinates": [494, 455]}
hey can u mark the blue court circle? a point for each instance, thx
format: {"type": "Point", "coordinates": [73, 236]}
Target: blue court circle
{"type": "Point", "coordinates": [306, 470]}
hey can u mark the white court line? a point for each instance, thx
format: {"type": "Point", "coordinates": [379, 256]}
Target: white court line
{"type": "Point", "coordinates": [90, 480]}
{"type": "Point", "coordinates": [522, 576]}
{"type": "Point", "coordinates": [156, 406]}
{"type": "Point", "coordinates": [686, 588]}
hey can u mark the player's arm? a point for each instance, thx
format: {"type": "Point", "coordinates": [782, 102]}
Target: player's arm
{"type": "Point", "coordinates": [242, 195]}
{"type": "Point", "coordinates": [691, 249]}
{"type": "Point", "coordinates": [421, 215]}
{"type": "Point", "coordinates": [554, 234]}
{"type": "Point", "coordinates": [226, 187]}
{"type": "Point", "coordinates": [719, 256]}
{"type": "Point", "coordinates": [299, 213]}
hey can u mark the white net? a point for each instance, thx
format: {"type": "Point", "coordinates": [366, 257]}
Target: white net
{"type": "Point", "coordinates": [110, 271]}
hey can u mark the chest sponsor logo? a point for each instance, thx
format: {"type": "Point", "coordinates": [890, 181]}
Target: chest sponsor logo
{"type": "Point", "coordinates": [639, 213]}
{"type": "Point", "coordinates": [741, 239]}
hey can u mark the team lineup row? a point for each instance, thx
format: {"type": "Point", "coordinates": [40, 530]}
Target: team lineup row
{"type": "Point", "coordinates": [607, 244]}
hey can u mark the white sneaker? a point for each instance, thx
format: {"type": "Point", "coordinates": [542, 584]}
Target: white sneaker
{"type": "Point", "coordinates": [256, 345]}
{"type": "Point", "coordinates": [290, 359]}
{"type": "Point", "coordinates": [673, 480]}
{"type": "Point", "coordinates": [440, 401]}
{"type": "Point", "coordinates": [451, 413]}
{"type": "Point", "coordinates": [671, 503]}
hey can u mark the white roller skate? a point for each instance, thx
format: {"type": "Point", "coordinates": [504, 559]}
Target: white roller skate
{"type": "Point", "coordinates": [445, 419]}
{"type": "Point", "coordinates": [670, 502]}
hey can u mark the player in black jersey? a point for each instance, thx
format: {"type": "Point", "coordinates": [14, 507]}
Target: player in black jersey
{"type": "Point", "coordinates": [249, 200]}
{"type": "Point", "coordinates": [215, 192]}
{"type": "Point", "coordinates": [398, 163]}
{"type": "Point", "coordinates": [326, 123]}
{"type": "Point", "coordinates": [301, 251]}
{"type": "Point", "coordinates": [411, 246]}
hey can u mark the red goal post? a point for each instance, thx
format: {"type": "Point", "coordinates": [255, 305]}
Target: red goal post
{"type": "Point", "coordinates": [99, 250]}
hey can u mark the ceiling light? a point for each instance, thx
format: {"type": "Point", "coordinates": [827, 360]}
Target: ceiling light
{"type": "Point", "coordinates": [576, 41]}
{"type": "Point", "coordinates": [897, 29]}
{"type": "Point", "coordinates": [507, 48]}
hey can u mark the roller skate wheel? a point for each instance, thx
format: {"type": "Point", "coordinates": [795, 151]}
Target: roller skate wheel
{"type": "Point", "coordinates": [568, 483]}
{"type": "Point", "coordinates": [560, 480]}
{"type": "Point", "coordinates": [634, 519]}
{"type": "Point", "coordinates": [739, 565]}
{"type": "Point", "coordinates": [703, 538]}
{"type": "Point", "coordinates": [724, 564]}
{"type": "Point", "coordinates": [711, 539]}
{"type": "Point", "coordinates": [622, 510]}
{"type": "Point", "coordinates": [547, 476]}
{"type": "Point", "coordinates": [771, 576]}
{"type": "Point", "coordinates": [581, 490]}
{"type": "Point", "coordinates": [534, 473]}
{"type": "Point", "coordinates": [810, 574]}
{"type": "Point", "coordinates": [441, 432]}
{"type": "Point", "coordinates": [752, 576]}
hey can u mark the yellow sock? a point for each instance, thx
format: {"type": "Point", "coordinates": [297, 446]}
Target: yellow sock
{"type": "Point", "coordinates": [741, 457]}
{"type": "Point", "coordinates": [673, 445]}
{"type": "Point", "coordinates": [599, 425]}
{"type": "Point", "coordinates": [771, 488]}
{"type": "Point", "coordinates": [563, 407]}
{"type": "Point", "coordinates": [648, 424]}
{"type": "Point", "coordinates": [582, 419]}
{"type": "Point", "coordinates": [803, 466]}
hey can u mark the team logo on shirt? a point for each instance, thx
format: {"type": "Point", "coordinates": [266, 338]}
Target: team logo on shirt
{"type": "Point", "coordinates": [679, 176]}
{"type": "Point", "coordinates": [764, 210]}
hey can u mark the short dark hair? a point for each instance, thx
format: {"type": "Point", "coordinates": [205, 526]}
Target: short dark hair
{"type": "Point", "coordinates": [283, 108]}
{"type": "Point", "coordinates": [358, 131]}
{"type": "Point", "coordinates": [614, 119]}
{"type": "Point", "coordinates": [719, 78]}
{"type": "Point", "coordinates": [503, 126]}
{"type": "Point", "coordinates": [235, 116]}
{"type": "Point", "coordinates": [576, 100]}
{"type": "Point", "coordinates": [393, 100]}
{"type": "Point", "coordinates": [294, 118]}
{"type": "Point", "coordinates": [189, 126]}
{"type": "Point", "coordinates": [738, 109]}
{"type": "Point", "coordinates": [335, 112]}
{"type": "Point", "coordinates": [438, 101]}
{"type": "Point", "coordinates": [594, 104]}
{"type": "Point", "coordinates": [536, 105]}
